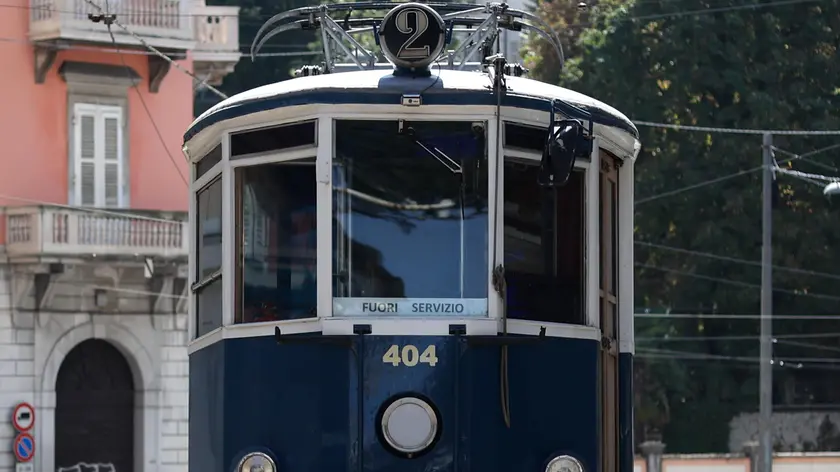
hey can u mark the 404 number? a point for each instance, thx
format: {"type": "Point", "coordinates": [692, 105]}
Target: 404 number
{"type": "Point", "coordinates": [410, 356]}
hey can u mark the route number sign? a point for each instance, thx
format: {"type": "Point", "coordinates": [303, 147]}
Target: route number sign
{"type": "Point", "coordinates": [412, 35]}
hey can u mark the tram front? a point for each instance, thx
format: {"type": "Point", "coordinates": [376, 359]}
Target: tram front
{"type": "Point", "coordinates": [397, 270]}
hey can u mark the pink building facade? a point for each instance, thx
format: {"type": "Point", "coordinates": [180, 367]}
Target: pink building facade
{"type": "Point", "coordinates": [93, 236]}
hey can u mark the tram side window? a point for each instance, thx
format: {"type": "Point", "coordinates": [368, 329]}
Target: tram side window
{"type": "Point", "coordinates": [276, 240]}
{"type": "Point", "coordinates": [544, 246]}
{"type": "Point", "coordinates": [208, 287]}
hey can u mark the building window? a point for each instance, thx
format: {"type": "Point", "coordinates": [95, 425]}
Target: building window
{"type": "Point", "coordinates": [544, 241]}
{"type": "Point", "coordinates": [208, 287]}
{"type": "Point", "coordinates": [276, 242]}
{"type": "Point", "coordinates": [99, 177]}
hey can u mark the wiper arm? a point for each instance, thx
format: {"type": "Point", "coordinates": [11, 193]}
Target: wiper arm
{"type": "Point", "coordinates": [440, 156]}
{"type": "Point", "coordinates": [455, 168]}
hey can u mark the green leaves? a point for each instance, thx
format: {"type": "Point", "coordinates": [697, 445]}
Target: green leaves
{"type": "Point", "coordinates": [773, 67]}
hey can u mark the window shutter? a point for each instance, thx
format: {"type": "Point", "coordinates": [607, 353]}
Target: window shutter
{"type": "Point", "coordinates": [99, 177]}
{"type": "Point", "coordinates": [112, 164]}
{"type": "Point", "coordinates": [86, 155]}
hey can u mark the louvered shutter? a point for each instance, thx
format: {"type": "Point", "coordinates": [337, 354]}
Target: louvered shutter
{"type": "Point", "coordinates": [85, 178]}
{"type": "Point", "coordinates": [112, 160]}
{"type": "Point", "coordinates": [99, 177]}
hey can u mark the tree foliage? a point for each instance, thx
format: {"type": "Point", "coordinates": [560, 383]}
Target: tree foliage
{"type": "Point", "coordinates": [773, 67]}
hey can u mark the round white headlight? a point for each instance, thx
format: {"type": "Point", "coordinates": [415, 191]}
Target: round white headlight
{"type": "Point", "coordinates": [409, 425]}
{"type": "Point", "coordinates": [564, 464]}
{"type": "Point", "coordinates": [256, 462]}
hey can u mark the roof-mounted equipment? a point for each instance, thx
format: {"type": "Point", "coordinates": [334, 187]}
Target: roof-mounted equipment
{"type": "Point", "coordinates": [411, 36]}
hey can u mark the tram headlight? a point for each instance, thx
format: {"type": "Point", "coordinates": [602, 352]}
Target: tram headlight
{"type": "Point", "coordinates": [564, 464]}
{"type": "Point", "coordinates": [256, 462]}
{"type": "Point", "coordinates": [409, 425]}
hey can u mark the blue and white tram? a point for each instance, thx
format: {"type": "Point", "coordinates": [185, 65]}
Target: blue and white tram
{"type": "Point", "coordinates": [420, 268]}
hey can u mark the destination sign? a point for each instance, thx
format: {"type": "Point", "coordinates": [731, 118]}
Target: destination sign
{"type": "Point", "coordinates": [410, 306]}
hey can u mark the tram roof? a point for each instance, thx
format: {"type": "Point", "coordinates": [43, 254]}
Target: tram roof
{"type": "Point", "coordinates": [382, 87]}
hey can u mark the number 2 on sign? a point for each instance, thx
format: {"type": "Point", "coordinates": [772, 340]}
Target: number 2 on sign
{"type": "Point", "coordinates": [410, 356]}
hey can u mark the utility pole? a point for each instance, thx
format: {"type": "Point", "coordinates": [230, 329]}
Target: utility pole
{"type": "Point", "coordinates": [766, 368]}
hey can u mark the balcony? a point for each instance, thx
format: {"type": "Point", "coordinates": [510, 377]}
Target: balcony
{"type": "Point", "coordinates": [165, 24]}
{"type": "Point", "coordinates": [174, 27]}
{"type": "Point", "coordinates": [217, 49]}
{"type": "Point", "coordinates": [54, 233]}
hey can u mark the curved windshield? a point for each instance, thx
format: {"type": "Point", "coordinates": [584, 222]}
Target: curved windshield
{"type": "Point", "coordinates": [410, 218]}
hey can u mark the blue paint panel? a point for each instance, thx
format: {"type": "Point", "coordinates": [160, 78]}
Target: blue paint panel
{"type": "Point", "coordinates": [207, 388]}
{"type": "Point", "coordinates": [315, 407]}
{"type": "Point", "coordinates": [297, 400]}
{"type": "Point", "coordinates": [553, 405]}
{"type": "Point", "coordinates": [383, 382]}
{"type": "Point", "coordinates": [625, 412]}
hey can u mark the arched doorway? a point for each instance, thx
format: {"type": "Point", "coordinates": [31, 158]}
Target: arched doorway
{"type": "Point", "coordinates": [94, 413]}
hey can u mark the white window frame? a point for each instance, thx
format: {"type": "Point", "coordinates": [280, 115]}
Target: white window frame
{"type": "Point", "coordinates": [396, 325]}
{"type": "Point", "coordinates": [100, 114]}
{"type": "Point", "coordinates": [220, 275]}
{"type": "Point", "coordinates": [275, 157]}
{"type": "Point", "coordinates": [197, 184]}
{"type": "Point", "coordinates": [528, 327]}
{"type": "Point", "coordinates": [326, 323]}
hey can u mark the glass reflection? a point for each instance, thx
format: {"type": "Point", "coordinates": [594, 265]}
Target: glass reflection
{"type": "Point", "coordinates": [544, 246]}
{"type": "Point", "coordinates": [410, 219]}
{"type": "Point", "coordinates": [277, 242]}
{"type": "Point", "coordinates": [209, 261]}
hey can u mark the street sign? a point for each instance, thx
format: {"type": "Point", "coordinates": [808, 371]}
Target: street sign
{"type": "Point", "coordinates": [24, 467]}
{"type": "Point", "coordinates": [24, 447]}
{"type": "Point", "coordinates": [23, 418]}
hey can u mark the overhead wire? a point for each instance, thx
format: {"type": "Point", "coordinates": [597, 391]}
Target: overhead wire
{"type": "Point", "coordinates": [736, 361]}
{"type": "Point", "coordinates": [792, 363]}
{"type": "Point", "coordinates": [202, 82]}
{"type": "Point", "coordinates": [133, 52]}
{"type": "Point", "coordinates": [732, 337]}
{"type": "Point", "coordinates": [100, 211]}
{"type": "Point", "coordinates": [715, 180]}
{"type": "Point", "coordinates": [819, 360]}
{"type": "Point", "coordinates": [709, 129]}
{"type": "Point", "coordinates": [736, 260]}
{"type": "Point", "coordinates": [108, 21]}
{"type": "Point", "coordinates": [734, 282]}
{"type": "Point", "coordinates": [726, 316]}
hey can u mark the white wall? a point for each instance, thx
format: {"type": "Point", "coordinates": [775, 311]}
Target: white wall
{"type": "Point", "coordinates": [16, 368]}
{"type": "Point", "coordinates": [790, 429]}
{"type": "Point", "coordinates": [32, 348]}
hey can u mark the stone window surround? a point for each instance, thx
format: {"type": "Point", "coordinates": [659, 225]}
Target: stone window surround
{"type": "Point", "coordinates": [98, 84]}
{"type": "Point", "coordinates": [147, 402]}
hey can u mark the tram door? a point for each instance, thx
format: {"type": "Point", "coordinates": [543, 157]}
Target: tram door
{"type": "Point", "coordinates": [608, 206]}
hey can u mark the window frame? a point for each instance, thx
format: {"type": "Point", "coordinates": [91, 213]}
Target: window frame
{"type": "Point", "coordinates": [100, 112]}
{"type": "Point", "coordinates": [608, 295]}
{"type": "Point", "coordinates": [583, 166]}
{"type": "Point", "coordinates": [276, 157]}
{"type": "Point", "coordinates": [325, 158]}
{"type": "Point", "coordinates": [98, 84]}
{"type": "Point", "coordinates": [198, 285]}
{"type": "Point", "coordinates": [608, 270]}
